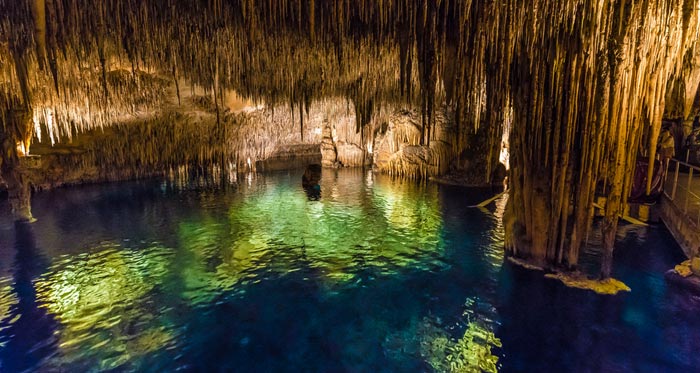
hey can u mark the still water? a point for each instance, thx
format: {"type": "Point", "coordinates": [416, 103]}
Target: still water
{"type": "Point", "coordinates": [372, 275]}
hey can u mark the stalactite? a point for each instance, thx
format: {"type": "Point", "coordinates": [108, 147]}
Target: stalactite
{"type": "Point", "coordinates": [606, 76]}
{"type": "Point", "coordinates": [301, 123]}
{"type": "Point", "coordinates": [39, 14]}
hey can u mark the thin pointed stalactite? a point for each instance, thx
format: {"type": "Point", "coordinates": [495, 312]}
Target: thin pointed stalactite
{"type": "Point", "coordinates": [301, 123]}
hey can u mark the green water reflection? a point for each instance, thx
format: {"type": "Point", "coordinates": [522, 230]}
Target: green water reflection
{"type": "Point", "coordinates": [121, 303]}
{"type": "Point", "coordinates": [101, 300]}
{"type": "Point", "coordinates": [279, 229]}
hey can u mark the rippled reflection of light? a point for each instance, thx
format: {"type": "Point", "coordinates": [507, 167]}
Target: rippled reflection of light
{"type": "Point", "coordinates": [408, 212]}
{"type": "Point", "coordinates": [472, 352]}
{"type": "Point", "coordinates": [369, 180]}
{"type": "Point", "coordinates": [8, 299]}
{"type": "Point", "coordinates": [104, 297]}
{"type": "Point", "coordinates": [279, 225]}
{"type": "Point", "coordinates": [97, 295]}
{"type": "Point", "coordinates": [494, 251]}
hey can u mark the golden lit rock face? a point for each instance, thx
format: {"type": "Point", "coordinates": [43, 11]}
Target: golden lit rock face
{"type": "Point", "coordinates": [581, 83]}
{"type": "Point", "coordinates": [588, 87]}
{"type": "Point", "coordinates": [92, 63]}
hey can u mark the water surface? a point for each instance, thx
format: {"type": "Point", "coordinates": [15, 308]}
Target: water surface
{"type": "Point", "coordinates": [369, 274]}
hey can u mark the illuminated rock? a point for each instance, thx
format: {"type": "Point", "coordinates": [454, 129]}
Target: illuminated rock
{"type": "Point", "coordinates": [695, 266]}
{"type": "Point", "coordinates": [608, 286]}
{"type": "Point", "coordinates": [329, 153]}
{"type": "Point", "coordinates": [683, 269]}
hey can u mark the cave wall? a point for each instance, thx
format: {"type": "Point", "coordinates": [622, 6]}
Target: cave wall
{"type": "Point", "coordinates": [682, 90]}
{"type": "Point", "coordinates": [84, 67]}
{"type": "Point", "coordinates": [190, 136]}
{"type": "Point", "coordinates": [398, 150]}
{"type": "Point", "coordinates": [245, 137]}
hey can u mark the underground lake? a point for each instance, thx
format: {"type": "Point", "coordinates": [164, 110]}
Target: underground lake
{"type": "Point", "coordinates": [369, 273]}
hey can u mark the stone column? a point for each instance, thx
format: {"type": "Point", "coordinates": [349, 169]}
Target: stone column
{"type": "Point", "coordinates": [329, 154]}
{"type": "Point", "coordinates": [19, 193]}
{"type": "Point", "coordinates": [14, 166]}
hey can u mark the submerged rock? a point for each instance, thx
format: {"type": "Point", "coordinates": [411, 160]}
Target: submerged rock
{"type": "Point", "coordinates": [690, 282]}
{"type": "Point", "coordinates": [524, 264]}
{"type": "Point", "coordinates": [575, 280]}
{"type": "Point", "coordinates": [683, 269]}
{"type": "Point", "coordinates": [686, 275]}
{"type": "Point", "coordinates": [695, 266]}
{"type": "Point", "coordinates": [444, 352]}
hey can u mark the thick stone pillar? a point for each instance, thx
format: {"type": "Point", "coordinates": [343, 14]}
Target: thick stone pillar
{"type": "Point", "coordinates": [14, 165]}
{"type": "Point", "coordinates": [329, 153]}
{"type": "Point", "coordinates": [19, 194]}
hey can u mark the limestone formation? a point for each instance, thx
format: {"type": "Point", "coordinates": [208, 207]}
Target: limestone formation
{"type": "Point", "coordinates": [695, 266]}
{"type": "Point", "coordinates": [329, 153]}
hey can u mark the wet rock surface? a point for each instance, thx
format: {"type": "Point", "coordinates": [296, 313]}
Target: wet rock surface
{"type": "Point", "coordinates": [695, 266]}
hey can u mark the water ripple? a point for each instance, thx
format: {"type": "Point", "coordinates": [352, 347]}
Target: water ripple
{"type": "Point", "coordinates": [376, 273]}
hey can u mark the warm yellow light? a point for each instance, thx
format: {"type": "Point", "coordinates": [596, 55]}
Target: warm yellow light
{"type": "Point", "coordinates": [21, 150]}
{"type": "Point", "coordinates": [504, 157]}
{"type": "Point", "coordinates": [51, 126]}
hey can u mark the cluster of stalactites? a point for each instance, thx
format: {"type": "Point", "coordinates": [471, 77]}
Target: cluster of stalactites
{"type": "Point", "coordinates": [67, 57]}
{"type": "Point", "coordinates": [588, 82]}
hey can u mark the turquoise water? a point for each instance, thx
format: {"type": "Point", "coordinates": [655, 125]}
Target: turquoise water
{"type": "Point", "coordinates": [369, 275]}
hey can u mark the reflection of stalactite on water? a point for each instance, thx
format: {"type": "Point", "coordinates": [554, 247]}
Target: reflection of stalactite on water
{"type": "Point", "coordinates": [32, 328]}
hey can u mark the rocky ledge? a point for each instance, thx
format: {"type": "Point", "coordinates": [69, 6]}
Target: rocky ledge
{"type": "Point", "coordinates": [686, 275]}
